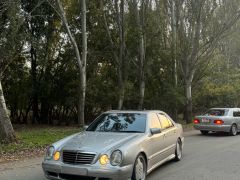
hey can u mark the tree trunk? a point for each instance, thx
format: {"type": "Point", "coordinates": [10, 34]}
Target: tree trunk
{"type": "Point", "coordinates": [121, 87]}
{"type": "Point", "coordinates": [7, 134]}
{"type": "Point", "coordinates": [121, 79]}
{"type": "Point", "coordinates": [174, 58]}
{"type": "Point", "coordinates": [188, 91]}
{"type": "Point", "coordinates": [81, 104]}
{"type": "Point", "coordinates": [141, 69]}
{"type": "Point", "coordinates": [83, 68]}
{"type": "Point", "coordinates": [142, 91]}
{"type": "Point", "coordinates": [118, 51]}
{"type": "Point", "coordinates": [35, 116]}
{"type": "Point", "coordinates": [141, 50]}
{"type": "Point", "coordinates": [44, 111]}
{"type": "Point", "coordinates": [81, 62]}
{"type": "Point", "coordinates": [141, 58]}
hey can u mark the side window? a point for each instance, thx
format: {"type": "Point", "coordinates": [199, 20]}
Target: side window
{"type": "Point", "coordinates": [154, 121]}
{"type": "Point", "coordinates": [236, 113]}
{"type": "Point", "coordinates": [169, 120]}
{"type": "Point", "coordinates": [166, 123]}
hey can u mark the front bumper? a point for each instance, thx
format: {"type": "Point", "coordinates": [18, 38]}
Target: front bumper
{"type": "Point", "coordinates": [216, 128]}
{"type": "Point", "coordinates": [60, 171]}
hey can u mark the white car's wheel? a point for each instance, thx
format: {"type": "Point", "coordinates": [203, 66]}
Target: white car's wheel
{"type": "Point", "coordinates": [233, 130]}
{"type": "Point", "coordinates": [178, 150]}
{"type": "Point", "coordinates": [140, 168]}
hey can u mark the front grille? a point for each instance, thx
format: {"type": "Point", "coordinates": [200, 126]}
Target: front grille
{"type": "Point", "coordinates": [75, 157]}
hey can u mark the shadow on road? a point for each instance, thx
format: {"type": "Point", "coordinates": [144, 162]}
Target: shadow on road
{"type": "Point", "coordinates": [213, 134]}
{"type": "Point", "coordinates": [162, 168]}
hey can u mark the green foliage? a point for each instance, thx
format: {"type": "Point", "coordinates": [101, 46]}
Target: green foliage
{"type": "Point", "coordinates": [37, 137]}
{"type": "Point", "coordinates": [220, 85]}
{"type": "Point", "coordinates": [216, 81]}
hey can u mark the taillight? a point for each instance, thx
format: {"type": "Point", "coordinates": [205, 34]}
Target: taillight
{"type": "Point", "coordinates": [218, 121]}
{"type": "Point", "coordinates": [196, 121]}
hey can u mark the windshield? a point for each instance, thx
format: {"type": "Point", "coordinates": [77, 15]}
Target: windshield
{"type": "Point", "coordinates": [216, 112]}
{"type": "Point", "coordinates": [119, 122]}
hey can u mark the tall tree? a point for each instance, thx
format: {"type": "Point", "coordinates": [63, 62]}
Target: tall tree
{"type": "Point", "coordinates": [36, 13]}
{"type": "Point", "coordinates": [118, 47]}
{"type": "Point", "coordinates": [174, 51]}
{"type": "Point", "coordinates": [139, 17]}
{"type": "Point", "coordinates": [6, 130]}
{"type": "Point", "coordinates": [199, 33]}
{"type": "Point", "coordinates": [9, 47]}
{"type": "Point", "coordinates": [80, 60]}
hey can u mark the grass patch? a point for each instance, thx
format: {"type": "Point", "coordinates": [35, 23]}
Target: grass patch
{"type": "Point", "coordinates": [36, 137]}
{"type": "Point", "coordinates": [183, 123]}
{"type": "Point", "coordinates": [187, 126]}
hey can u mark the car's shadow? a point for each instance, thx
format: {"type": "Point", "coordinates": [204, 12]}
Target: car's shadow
{"type": "Point", "coordinates": [161, 168]}
{"type": "Point", "coordinates": [214, 134]}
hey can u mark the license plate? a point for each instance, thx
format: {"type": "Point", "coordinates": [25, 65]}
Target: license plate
{"type": "Point", "coordinates": [205, 120]}
{"type": "Point", "coordinates": [74, 170]}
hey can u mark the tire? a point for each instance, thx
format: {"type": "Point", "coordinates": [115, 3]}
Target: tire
{"type": "Point", "coordinates": [178, 150]}
{"type": "Point", "coordinates": [140, 168]}
{"type": "Point", "coordinates": [204, 132]}
{"type": "Point", "coordinates": [233, 130]}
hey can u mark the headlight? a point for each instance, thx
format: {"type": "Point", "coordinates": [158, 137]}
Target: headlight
{"type": "Point", "coordinates": [50, 152]}
{"type": "Point", "coordinates": [103, 159]}
{"type": "Point", "coordinates": [116, 158]}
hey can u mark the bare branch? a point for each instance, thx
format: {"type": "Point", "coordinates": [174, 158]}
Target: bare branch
{"type": "Point", "coordinates": [72, 38]}
{"type": "Point", "coordinates": [113, 47]}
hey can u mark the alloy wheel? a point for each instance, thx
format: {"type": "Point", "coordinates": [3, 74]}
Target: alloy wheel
{"type": "Point", "coordinates": [234, 130]}
{"type": "Point", "coordinates": [140, 168]}
{"type": "Point", "coordinates": [179, 150]}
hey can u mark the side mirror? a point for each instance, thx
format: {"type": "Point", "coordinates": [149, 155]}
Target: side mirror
{"type": "Point", "coordinates": [85, 127]}
{"type": "Point", "coordinates": [155, 131]}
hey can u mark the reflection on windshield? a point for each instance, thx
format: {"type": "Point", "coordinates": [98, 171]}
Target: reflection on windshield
{"type": "Point", "coordinates": [119, 122]}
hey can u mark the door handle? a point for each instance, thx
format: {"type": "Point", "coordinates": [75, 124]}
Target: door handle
{"type": "Point", "coordinates": [175, 131]}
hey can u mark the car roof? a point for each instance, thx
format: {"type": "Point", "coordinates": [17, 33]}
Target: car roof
{"type": "Point", "coordinates": [225, 108]}
{"type": "Point", "coordinates": [134, 111]}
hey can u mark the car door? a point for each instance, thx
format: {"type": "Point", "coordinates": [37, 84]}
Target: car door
{"type": "Point", "coordinates": [170, 132]}
{"type": "Point", "coordinates": [155, 144]}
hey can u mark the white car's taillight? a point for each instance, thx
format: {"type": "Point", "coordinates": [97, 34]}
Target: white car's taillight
{"type": "Point", "coordinates": [218, 121]}
{"type": "Point", "coordinates": [196, 121]}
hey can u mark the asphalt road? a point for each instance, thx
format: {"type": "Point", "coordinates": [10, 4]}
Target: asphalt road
{"type": "Point", "coordinates": [211, 157]}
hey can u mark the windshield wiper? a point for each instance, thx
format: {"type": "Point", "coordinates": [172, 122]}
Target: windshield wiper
{"type": "Point", "coordinates": [130, 131]}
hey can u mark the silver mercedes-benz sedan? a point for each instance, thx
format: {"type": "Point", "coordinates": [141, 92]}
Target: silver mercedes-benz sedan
{"type": "Point", "coordinates": [219, 120]}
{"type": "Point", "coordinates": [118, 145]}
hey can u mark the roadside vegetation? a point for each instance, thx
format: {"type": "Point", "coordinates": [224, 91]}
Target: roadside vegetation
{"type": "Point", "coordinates": [64, 62]}
{"type": "Point", "coordinates": [33, 141]}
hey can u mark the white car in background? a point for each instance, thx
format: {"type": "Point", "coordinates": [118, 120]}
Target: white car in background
{"type": "Point", "coordinates": [219, 120]}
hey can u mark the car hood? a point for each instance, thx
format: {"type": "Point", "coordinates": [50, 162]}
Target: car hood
{"type": "Point", "coordinates": [98, 141]}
